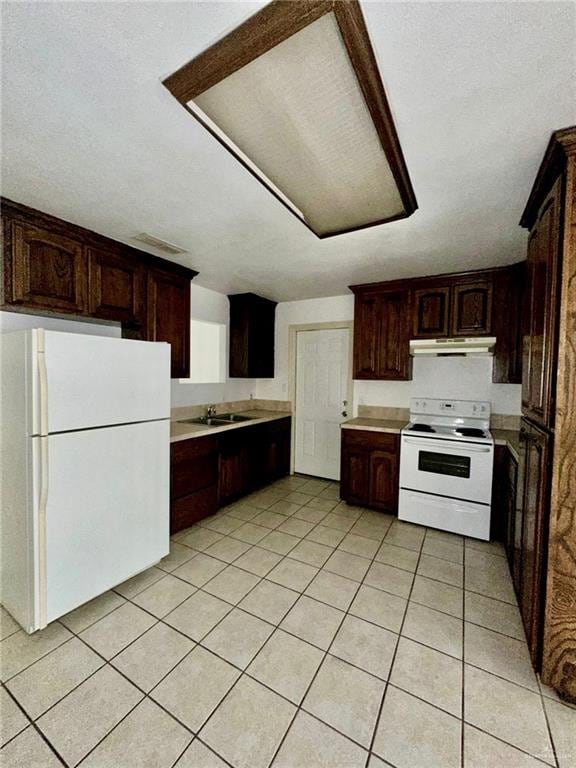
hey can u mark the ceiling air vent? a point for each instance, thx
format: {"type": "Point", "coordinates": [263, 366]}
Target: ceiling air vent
{"type": "Point", "coordinates": [161, 245]}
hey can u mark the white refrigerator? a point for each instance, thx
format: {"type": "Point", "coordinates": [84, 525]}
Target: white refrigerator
{"type": "Point", "coordinates": [85, 468]}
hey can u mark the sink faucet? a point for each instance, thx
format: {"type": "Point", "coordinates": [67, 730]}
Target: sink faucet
{"type": "Point", "coordinates": [211, 411]}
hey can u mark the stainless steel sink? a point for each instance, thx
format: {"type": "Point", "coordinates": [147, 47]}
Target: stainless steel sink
{"type": "Point", "coordinates": [207, 421]}
{"type": "Point", "coordinates": [234, 417]}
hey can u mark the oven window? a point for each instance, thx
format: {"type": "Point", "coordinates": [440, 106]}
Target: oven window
{"type": "Point", "coordinates": [444, 464]}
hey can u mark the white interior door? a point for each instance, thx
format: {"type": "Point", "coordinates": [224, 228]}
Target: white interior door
{"type": "Point", "coordinates": [322, 399]}
{"type": "Point", "coordinates": [107, 510]}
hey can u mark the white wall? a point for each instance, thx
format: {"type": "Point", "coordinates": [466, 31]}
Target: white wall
{"type": "Point", "coordinates": [462, 378]}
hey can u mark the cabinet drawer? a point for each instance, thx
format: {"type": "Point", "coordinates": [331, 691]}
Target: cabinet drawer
{"type": "Point", "coordinates": [187, 510]}
{"type": "Point", "coordinates": [189, 476]}
{"type": "Point", "coordinates": [384, 441]}
{"type": "Point", "coordinates": [185, 450]}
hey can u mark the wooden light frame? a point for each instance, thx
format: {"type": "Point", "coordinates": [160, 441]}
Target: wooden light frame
{"type": "Point", "coordinates": [265, 30]}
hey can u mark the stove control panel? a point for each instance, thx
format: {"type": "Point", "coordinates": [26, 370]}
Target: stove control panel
{"type": "Point", "coordinates": [474, 409]}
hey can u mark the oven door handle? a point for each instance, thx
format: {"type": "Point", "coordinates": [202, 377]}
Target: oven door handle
{"type": "Point", "coordinates": [442, 448]}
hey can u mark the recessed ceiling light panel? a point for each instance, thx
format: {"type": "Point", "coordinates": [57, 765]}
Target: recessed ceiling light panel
{"type": "Point", "coordinates": [295, 94]}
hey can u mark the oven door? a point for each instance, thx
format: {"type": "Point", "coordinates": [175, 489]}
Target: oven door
{"type": "Point", "coordinates": [453, 468]}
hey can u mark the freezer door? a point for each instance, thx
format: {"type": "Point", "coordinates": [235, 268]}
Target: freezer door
{"type": "Point", "coordinates": [94, 381]}
{"type": "Point", "coordinates": [106, 511]}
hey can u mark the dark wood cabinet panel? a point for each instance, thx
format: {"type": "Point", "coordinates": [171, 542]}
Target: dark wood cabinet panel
{"type": "Point", "coordinates": [168, 317]}
{"type": "Point", "coordinates": [252, 329]}
{"type": "Point", "coordinates": [431, 308]}
{"type": "Point", "coordinates": [381, 336]}
{"type": "Point", "coordinates": [540, 339]}
{"type": "Point", "coordinates": [366, 336]}
{"type": "Point", "coordinates": [471, 310]}
{"type": "Point", "coordinates": [508, 320]}
{"type": "Point", "coordinates": [370, 468]}
{"type": "Point", "coordinates": [233, 466]}
{"type": "Point", "coordinates": [193, 481]}
{"type": "Point", "coordinates": [116, 287]}
{"type": "Point", "coordinates": [48, 270]}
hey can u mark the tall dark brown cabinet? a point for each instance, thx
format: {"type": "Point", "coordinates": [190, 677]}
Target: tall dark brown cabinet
{"type": "Point", "coordinates": [252, 329]}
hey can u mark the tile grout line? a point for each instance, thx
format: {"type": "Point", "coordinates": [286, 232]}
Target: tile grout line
{"type": "Point", "coordinates": [463, 666]}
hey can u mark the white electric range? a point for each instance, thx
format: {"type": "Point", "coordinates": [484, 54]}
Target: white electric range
{"type": "Point", "coordinates": [446, 465]}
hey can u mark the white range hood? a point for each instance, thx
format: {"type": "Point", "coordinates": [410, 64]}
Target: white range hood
{"type": "Point", "coordinates": [480, 346]}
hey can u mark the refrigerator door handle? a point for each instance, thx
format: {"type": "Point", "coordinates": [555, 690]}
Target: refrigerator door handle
{"type": "Point", "coordinates": [42, 568]}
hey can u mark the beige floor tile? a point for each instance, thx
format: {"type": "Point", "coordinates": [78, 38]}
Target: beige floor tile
{"type": "Point", "coordinates": [91, 612]}
{"type": "Point", "coordinates": [407, 537]}
{"type": "Point", "coordinates": [441, 570]}
{"type": "Point", "coordinates": [265, 500]}
{"type": "Point", "coordinates": [296, 527]}
{"type": "Point", "coordinates": [77, 723]}
{"type": "Point", "coordinates": [223, 524]}
{"type": "Point", "coordinates": [487, 560]}
{"type": "Point", "coordinates": [287, 665]}
{"type": "Point", "coordinates": [20, 649]}
{"type": "Point", "coordinates": [292, 574]}
{"type": "Point", "coordinates": [348, 565]}
{"type": "Point", "coordinates": [310, 514]}
{"type": "Point", "coordinates": [238, 637]}
{"type": "Point", "coordinates": [332, 493]}
{"type": "Point", "coordinates": [249, 725]}
{"type": "Point", "coordinates": [147, 737]}
{"type": "Point", "coordinates": [199, 756]}
{"type": "Point", "coordinates": [324, 535]}
{"type": "Point", "coordinates": [349, 511]}
{"type": "Point", "coordinates": [366, 646]}
{"type": "Point", "coordinates": [198, 615]}
{"type": "Point", "coordinates": [375, 762]}
{"type": "Point", "coordinates": [332, 589]}
{"type": "Point", "coordinates": [258, 561]}
{"type": "Point", "coordinates": [7, 624]}
{"type": "Point", "coordinates": [437, 630]}
{"type": "Point", "coordinates": [228, 549]}
{"type": "Point", "coordinates": [370, 529]}
{"type": "Point", "coordinates": [484, 751]}
{"type": "Point", "coordinates": [501, 655]}
{"type": "Point", "coordinates": [399, 557]}
{"type": "Point", "coordinates": [200, 538]}
{"type": "Point", "coordinates": [29, 750]}
{"type": "Point", "coordinates": [562, 721]}
{"type": "Point", "coordinates": [436, 594]}
{"type": "Point", "coordinates": [445, 536]}
{"type": "Point", "coordinates": [323, 505]}
{"type": "Point", "coordinates": [269, 519]}
{"type": "Point", "coordinates": [48, 680]}
{"type": "Point", "coordinates": [269, 601]}
{"type": "Point", "coordinates": [346, 698]}
{"type": "Point", "coordinates": [359, 545]}
{"type": "Point", "coordinates": [200, 569]}
{"type": "Point", "coordinates": [441, 549]}
{"type": "Point", "coordinates": [379, 607]}
{"type": "Point", "coordinates": [314, 486]}
{"type": "Point", "coordinates": [313, 621]}
{"type": "Point", "coordinates": [428, 674]}
{"type": "Point", "coordinates": [114, 632]}
{"type": "Point", "coordinates": [413, 734]}
{"type": "Point", "coordinates": [179, 554]}
{"type": "Point", "coordinates": [232, 584]}
{"type": "Point", "coordinates": [250, 533]}
{"type": "Point", "coordinates": [389, 579]}
{"type": "Point", "coordinates": [164, 596]}
{"type": "Point", "coordinates": [296, 497]}
{"type": "Point", "coordinates": [195, 687]}
{"type": "Point", "coordinates": [152, 656]}
{"type": "Point", "coordinates": [507, 711]}
{"type": "Point", "coordinates": [12, 719]}
{"type": "Point", "coordinates": [278, 542]}
{"type": "Point", "coordinates": [488, 547]}
{"type": "Point", "coordinates": [310, 552]}
{"type": "Point", "coordinates": [284, 507]}
{"type": "Point", "coordinates": [339, 522]}
{"type": "Point", "coordinates": [243, 511]}
{"type": "Point", "coordinates": [491, 582]}
{"type": "Point", "coordinates": [493, 614]}
{"type": "Point", "coordinates": [311, 744]}
{"type": "Point", "coordinates": [136, 584]}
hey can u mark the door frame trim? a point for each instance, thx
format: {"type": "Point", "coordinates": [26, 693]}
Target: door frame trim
{"type": "Point", "coordinates": [293, 331]}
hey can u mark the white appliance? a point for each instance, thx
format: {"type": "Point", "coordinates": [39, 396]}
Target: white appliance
{"type": "Point", "coordinates": [479, 346]}
{"type": "Point", "coordinates": [446, 466]}
{"type": "Point", "coordinates": [85, 467]}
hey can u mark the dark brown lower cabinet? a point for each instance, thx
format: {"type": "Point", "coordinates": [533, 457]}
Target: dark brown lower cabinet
{"type": "Point", "coordinates": [504, 499]}
{"type": "Point", "coordinates": [369, 469]}
{"type": "Point", "coordinates": [193, 481]}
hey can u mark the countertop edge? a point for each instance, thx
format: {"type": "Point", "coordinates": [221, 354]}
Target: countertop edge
{"type": "Point", "coordinates": [199, 430]}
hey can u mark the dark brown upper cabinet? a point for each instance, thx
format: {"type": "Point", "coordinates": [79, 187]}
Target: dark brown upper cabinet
{"type": "Point", "coordinates": [508, 320]}
{"type": "Point", "coordinates": [117, 286]}
{"type": "Point", "coordinates": [471, 312]}
{"type": "Point", "coordinates": [47, 270]}
{"type": "Point", "coordinates": [252, 329]}
{"type": "Point", "coordinates": [169, 317]}
{"type": "Point", "coordinates": [381, 335]}
{"type": "Point", "coordinates": [431, 312]}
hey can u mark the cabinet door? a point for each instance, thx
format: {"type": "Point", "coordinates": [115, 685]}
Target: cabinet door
{"type": "Point", "coordinates": [534, 537]}
{"type": "Point", "coordinates": [354, 474]}
{"type": "Point", "coordinates": [508, 323]}
{"type": "Point", "coordinates": [116, 287]}
{"type": "Point", "coordinates": [48, 269]}
{"type": "Point", "coordinates": [539, 347]}
{"type": "Point", "coordinates": [168, 317]}
{"type": "Point", "coordinates": [366, 335]}
{"type": "Point", "coordinates": [394, 361]}
{"type": "Point", "coordinates": [471, 309]}
{"type": "Point", "coordinates": [383, 493]}
{"type": "Point", "coordinates": [431, 307]}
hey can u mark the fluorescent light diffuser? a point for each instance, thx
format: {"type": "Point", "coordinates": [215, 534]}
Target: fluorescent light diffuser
{"type": "Point", "coordinates": [305, 113]}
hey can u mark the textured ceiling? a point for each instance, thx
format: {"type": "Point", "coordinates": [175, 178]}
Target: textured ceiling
{"type": "Point", "coordinates": [90, 135]}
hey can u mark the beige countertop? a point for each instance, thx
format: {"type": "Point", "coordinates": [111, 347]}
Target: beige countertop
{"type": "Point", "coordinates": [181, 431]}
{"type": "Point", "coordinates": [374, 425]}
{"type": "Point", "coordinates": [510, 438]}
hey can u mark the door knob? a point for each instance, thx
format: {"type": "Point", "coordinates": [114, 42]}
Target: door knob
{"type": "Point", "coordinates": [344, 413]}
